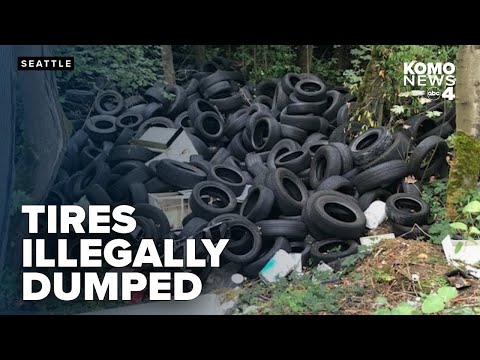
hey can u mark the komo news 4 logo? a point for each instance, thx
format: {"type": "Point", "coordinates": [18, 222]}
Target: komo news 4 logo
{"type": "Point", "coordinates": [434, 76]}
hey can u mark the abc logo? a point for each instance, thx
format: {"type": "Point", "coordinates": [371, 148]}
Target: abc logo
{"type": "Point", "coordinates": [433, 93]}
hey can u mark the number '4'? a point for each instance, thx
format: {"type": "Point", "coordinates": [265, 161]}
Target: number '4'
{"type": "Point", "coordinates": [448, 93]}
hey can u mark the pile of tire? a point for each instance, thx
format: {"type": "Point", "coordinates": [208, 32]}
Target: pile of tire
{"type": "Point", "coordinates": [288, 138]}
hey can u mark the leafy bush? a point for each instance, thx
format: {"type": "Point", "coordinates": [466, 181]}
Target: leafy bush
{"type": "Point", "coordinates": [128, 69]}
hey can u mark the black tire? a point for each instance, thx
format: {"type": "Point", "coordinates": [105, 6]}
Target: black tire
{"type": "Point", "coordinates": [258, 204]}
{"type": "Point", "coordinates": [313, 146]}
{"type": "Point", "coordinates": [228, 176]}
{"type": "Point", "coordinates": [134, 100]}
{"type": "Point", "coordinates": [263, 99]}
{"type": "Point", "coordinates": [159, 121]}
{"type": "Point", "coordinates": [265, 133]}
{"type": "Point", "coordinates": [88, 154]}
{"type": "Point", "coordinates": [138, 193]}
{"type": "Point", "coordinates": [370, 145]}
{"type": "Point", "coordinates": [407, 209]}
{"type": "Point", "coordinates": [191, 87]}
{"type": "Point", "coordinates": [381, 175]}
{"type": "Point", "coordinates": [237, 148]}
{"type": "Point", "coordinates": [326, 162]}
{"type": "Point", "coordinates": [337, 183]}
{"type": "Point", "coordinates": [289, 190]}
{"type": "Point", "coordinates": [197, 107]}
{"type": "Point", "coordinates": [179, 174]}
{"type": "Point", "coordinates": [303, 248]}
{"type": "Point", "coordinates": [255, 165]}
{"type": "Point", "coordinates": [96, 173]}
{"type": "Point", "coordinates": [105, 95]}
{"type": "Point", "coordinates": [138, 109]}
{"type": "Point", "coordinates": [129, 120]}
{"type": "Point", "coordinates": [339, 134]}
{"type": "Point", "coordinates": [152, 109]}
{"type": "Point", "coordinates": [280, 148]}
{"type": "Point", "coordinates": [119, 189]}
{"type": "Point", "coordinates": [220, 156]}
{"type": "Point", "coordinates": [420, 154]}
{"type": "Point", "coordinates": [187, 218]}
{"type": "Point", "coordinates": [235, 125]}
{"type": "Point", "coordinates": [293, 230]}
{"type": "Point", "coordinates": [203, 165]}
{"type": "Point", "coordinates": [200, 146]}
{"type": "Point", "coordinates": [234, 162]}
{"type": "Point", "coordinates": [369, 197]}
{"type": "Point", "coordinates": [253, 269]}
{"type": "Point", "coordinates": [156, 214]}
{"type": "Point", "coordinates": [97, 195]}
{"type": "Point", "coordinates": [294, 133]}
{"type": "Point", "coordinates": [266, 87]}
{"type": "Point", "coordinates": [352, 173]}
{"type": "Point", "coordinates": [124, 167]}
{"type": "Point", "coordinates": [335, 101]}
{"type": "Point", "coordinates": [398, 150]}
{"type": "Point", "coordinates": [418, 125]}
{"type": "Point", "coordinates": [280, 100]}
{"type": "Point", "coordinates": [321, 250]}
{"type": "Point", "coordinates": [304, 108]}
{"type": "Point", "coordinates": [342, 115]}
{"type": "Point", "coordinates": [124, 137]}
{"type": "Point", "coordinates": [443, 130]}
{"type": "Point", "coordinates": [346, 154]}
{"type": "Point", "coordinates": [179, 104]}
{"type": "Point", "coordinates": [101, 128]}
{"type": "Point", "coordinates": [295, 161]}
{"type": "Point", "coordinates": [412, 188]}
{"type": "Point", "coordinates": [289, 81]}
{"type": "Point", "coordinates": [209, 126]}
{"type": "Point", "coordinates": [222, 87]}
{"type": "Point", "coordinates": [193, 227]}
{"type": "Point", "coordinates": [156, 94]}
{"type": "Point", "coordinates": [338, 216]}
{"type": "Point", "coordinates": [129, 152]}
{"type": "Point", "coordinates": [252, 231]}
{"type": "Point", "coordinates": [409, 232]}
{"type": "Point", "coordinates": [155, 185]}
{"type": "Point", "coordinates": [307, 122]}
{"type": "Point", "coordinates": [80, 138]}
{"type": "Point", "coordinates": [310, 90]}
{"type": "Point", "coordinates": [230, 103]}
{"type": "Point", "coordinates": [220, 191]}
{"type": "Point", "coordinates": [219, 76]}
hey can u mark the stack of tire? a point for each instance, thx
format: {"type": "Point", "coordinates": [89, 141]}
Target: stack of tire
{"type": "Point", "coordinates": [309, 183]}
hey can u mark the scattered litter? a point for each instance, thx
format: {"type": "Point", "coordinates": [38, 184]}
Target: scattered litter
{"type": "Point", "coordinates": [322, 267]}
{"type": "Point", "coordinates": [279, 266]}
{"type": "Point", "coordinates": [473, 271]}
{"type": "Point", "coordinates": [415, 278]}
{"type": "Point", "coordinates": [375, 214]}
{"type": "Point", "coordinates": [297, 258]}
{"type": "Point", "coordinates": [237, 279]}
{"type": "Point", "coordinates": [375, 239]}
{"type": "Point", "coordinates": [458, 252]}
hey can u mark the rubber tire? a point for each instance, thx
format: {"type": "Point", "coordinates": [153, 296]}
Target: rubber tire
{"type": "Point", "coordinates": [261, 143]}
{"type": "Point", "coordinates": [304, 108]}
{"type": "Point", "coordinates": [346, 154]}
{"type": "Point", "coordinates": [295, 161]}
{"type": "Point", "coordinates": [138, 193]}
{"type": "Point", "coordinates": [303, 94]}
{"type": "Point", "coordinates": [381, 175]}
{"type": "Point", "coordinates": [333, 165]}
{"type": "Point", "coordinates": [100, 134]}
{"type": "Point", "coordinates": [421, 151]}
{"type": "Point", "coordinates": [366, 199]}
{"type": "Point", "coordinates": [304, 248]}
{"type": "Point", "coordinates": [179, 174]}
{"type": "Point", "coordinates": [280, 148]}
{"type": "Point", "coordinates": [124, 137]}
{"type": "Point", "coordinates": [336, 100]}
{"type": "Point", "coordinates": [230, 103]}
{"type": "Point", "coordinates": [228, 176]}
{"type": "Point", "coordinates": [255, 165]}
{"type": "Point", "coordinates": [293, 230]}
{"type": "Point", "coordinates": [156, 214]}
{"type": "Point", "coordinates": [129, 152]}
{"type": "Point", "coordinates": [406, 218]}
{"type": "Point", "coordinates": [373, 150]}
{"type": "Point", "coordinates": [258, 204]}
{"type": "Point", "coordinates": [294, 133]}
{"type": "Point", "coordinates": [329, 257]}
{"type": "Point", "coordinates": [222, 87]}
{"type": "Point", "coordinates": [284, 201]}
{"type": "Point", "coordinates": [201, 209]}
{"type": "Point", "coordinates": [398, 150]}
{"type": "Point", "coordinates": [201, 129]}
{"type": "Point", "coordinates": [337, 183]}
{"type": "Point", "coordinates": [114, 112]}
{"type": "Point", "coordinates": [97, 195]}
{"type": "Point", "coordinates": [409, 232]}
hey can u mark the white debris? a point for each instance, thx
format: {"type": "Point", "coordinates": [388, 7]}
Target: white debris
{"type": "Point", "coordinates": [375, 239]}
{"type": "Point", "coordinates": [237, 279]}
{"type": "Point", "coordinates": [297, 258]}
{"type": "Point", "coordinates": [375, 214]}
{"type": "Point", "coordinates": [279, 266]}
{"type": "Point", "coordinates": [322, 267]}
{"type": "Point", "coordinates": [468, 253]}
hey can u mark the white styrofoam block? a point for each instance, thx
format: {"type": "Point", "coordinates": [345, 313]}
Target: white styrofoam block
{"type": "Point", "coordinates": [375, 239]}
{"type": "Point", "coordinates": [468, 254]}
{"type": "Point", "coordinates": [297, 259]}
{"type": "Point", "coordinates": [375, 214]}
{"type": "Point", "coordinates": [279, 266]}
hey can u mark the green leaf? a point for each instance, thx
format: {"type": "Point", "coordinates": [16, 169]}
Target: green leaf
{"type": "Point", "coordinates": [474, 230]}
{"type": "Point", "coordinates": [433, 304]}
{"type": "Point", "coordinates": [447, 293]}
{"type": "Point", "coordinates": [381, 300]}
{"type": "Point", "coordinates": [458, 247]}
{"type": "Point", "coordinates": [472, 207]}
{"type": "Point", "coordinates": [459, 226]}
{"type": "Point", "coordinates": [383, 312]}
{"type": "Point", "coordinates": [403, 310]}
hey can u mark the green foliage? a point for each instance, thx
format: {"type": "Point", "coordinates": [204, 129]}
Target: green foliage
{"type": "Point", "coordinates": [259, 62]}
{"type": "Point", "coordinates": [433, 303]}
{"type": "Point", "coordinates": [128, 69]}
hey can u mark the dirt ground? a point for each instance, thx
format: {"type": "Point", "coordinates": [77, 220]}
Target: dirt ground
{"type": "Point", "coordinates": [401, 270]}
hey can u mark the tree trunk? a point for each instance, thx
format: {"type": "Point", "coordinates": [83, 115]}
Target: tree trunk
{"type": "Point", "coordinates": [465, 167]}
{"type": "Point", "coordinates": [304, 57]}
{"type": "Point", "coordinates": [200, 54]}
{"type": "Point", "coordinates": [168, 69]}
{"type": "Point", "coordinates": [368, 109]}
{"type": "Point", "coordinates": [342, 54]}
